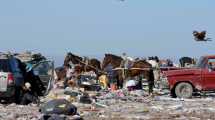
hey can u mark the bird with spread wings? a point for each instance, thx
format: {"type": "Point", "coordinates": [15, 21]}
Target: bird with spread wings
{"type": "Point", "coordinates": [200, 36]}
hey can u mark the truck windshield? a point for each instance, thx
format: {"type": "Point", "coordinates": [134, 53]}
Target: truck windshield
{"type": "Point", "coordinates": [201, 62]}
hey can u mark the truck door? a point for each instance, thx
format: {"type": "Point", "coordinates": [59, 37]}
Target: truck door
{"type": "Point", "coordinates": [45, 71]}
{"type": "Point", "coordinates": [209, 75]}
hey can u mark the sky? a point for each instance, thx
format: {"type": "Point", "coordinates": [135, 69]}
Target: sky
{"type": "Point", "coordinates": [95, 27]}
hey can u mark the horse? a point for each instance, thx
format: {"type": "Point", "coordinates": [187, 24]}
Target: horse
{"type": "Point", "coordinates": [138, 68]}
{"type": "Point", "coordinates": [85, 65]}
{"type": "Point", "coordinates": [80, 66]}
{"type": "Point", "coordinates": [69, 59]}
{"type": "Point", "coordinates": [72, 58]}
{"type": "Point", "coordinates": [186, 60]}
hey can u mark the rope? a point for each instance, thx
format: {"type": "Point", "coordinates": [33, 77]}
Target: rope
{"type": "Point", "coordinates": [146, 68]}
{"type": "Point", "coordinates": [90, 66]}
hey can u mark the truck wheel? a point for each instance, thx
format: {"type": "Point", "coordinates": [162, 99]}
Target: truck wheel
{"type": "Point", "coordinates": [184, 90]}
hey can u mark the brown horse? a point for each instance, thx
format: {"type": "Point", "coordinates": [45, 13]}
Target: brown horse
{"type": "Point", "coordinates": [80, 65]}
{"type": "Point", "coordinates": [83, 65]}
{"type": "Point", "coordinates": [140, 67]}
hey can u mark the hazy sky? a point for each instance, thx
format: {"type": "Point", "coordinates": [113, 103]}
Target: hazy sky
{"type": "Point", "coordinates": [95, 27]}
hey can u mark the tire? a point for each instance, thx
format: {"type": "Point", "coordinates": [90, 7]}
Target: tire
{"type": "Point", "coordinates": [184, 90]}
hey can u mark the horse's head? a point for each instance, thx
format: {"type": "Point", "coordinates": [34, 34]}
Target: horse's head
{"type": "Point", "coordinates": [72, 58]}
{"type": "Point", "coordinates": [111, 59]}
{"type": "Point", "coordinates": [96, 63]}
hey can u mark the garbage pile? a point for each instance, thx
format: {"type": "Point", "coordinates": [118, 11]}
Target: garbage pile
{"type": "Point", "coordinates": [30, 56]}
{"type": "Point", "coordinates": [77, 104]}
{"type": "Point", "coordinates": [86, 97]}
{"type": "Point", "coordinates": [136, 104]}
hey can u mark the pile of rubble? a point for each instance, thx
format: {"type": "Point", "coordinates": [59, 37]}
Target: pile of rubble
{"type": "Point", "coordinates": [19, 112]}
{"type": "Point", "coordinates": [29, 56]}
{"type": "Point", "coordinates": [127, 106]}
{"type": "Point", "coordinates": [135, 105]}
{"type": "Point", "coordinates": [114, 105]}
{"type": "Point", "coordinates": [25, 56]}
{"type": "Point", "coordinates": [123, 104]}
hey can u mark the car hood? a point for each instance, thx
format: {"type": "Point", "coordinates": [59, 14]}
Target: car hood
{"type": "Point", "coordinates": [192, 71]}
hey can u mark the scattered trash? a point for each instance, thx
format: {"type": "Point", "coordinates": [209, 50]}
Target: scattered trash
{"type": "Point", "coordinates": [96, 100]}
{"type": "Point", "coordinates": [118, 104]}
{"type": "Point", "coordinates": [53, 117]}
{"type": "Point", "coordinates": [85, 99]}
{"type": "Point", "coordinates": [58, 106]}
{"type": "Point", "coordinates": [138, 93]}
{"type": "Point", "coordinates": [101, 105]}
{"type": "Point", "coordinates": [131, 84]}
{"type": "Point", "coordinates": [71, 92]}
{"type": "Point", "coordinates": [176, 107]}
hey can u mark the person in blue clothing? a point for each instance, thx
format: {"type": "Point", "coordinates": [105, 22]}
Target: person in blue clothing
{"type": "Point", "coordinates": [19, 72]}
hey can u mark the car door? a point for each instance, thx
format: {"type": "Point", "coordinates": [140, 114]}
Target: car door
{"type": "Point", "coordinates": [45, 71]}
{"type": "Point", "coordinates": [209, 75]}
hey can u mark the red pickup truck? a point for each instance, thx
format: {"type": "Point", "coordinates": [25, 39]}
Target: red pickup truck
{"type": "Point", "coordinates": [184, 82]}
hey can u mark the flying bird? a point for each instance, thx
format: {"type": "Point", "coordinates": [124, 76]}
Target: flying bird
{"type": "Point", "coordinates": [200, 36]}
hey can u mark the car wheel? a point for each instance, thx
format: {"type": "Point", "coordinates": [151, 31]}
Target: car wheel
{"type": "Point", "coordinates": [184, 90]}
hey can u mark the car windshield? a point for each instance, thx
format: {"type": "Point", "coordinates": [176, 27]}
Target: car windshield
{"type": "Point", "coordinates": [4, 65]}
{"type": "Point", "coordinates": [201, 62]}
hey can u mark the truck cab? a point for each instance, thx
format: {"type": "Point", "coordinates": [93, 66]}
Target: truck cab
{"type": "Point", "coordinates": [184, 82]}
